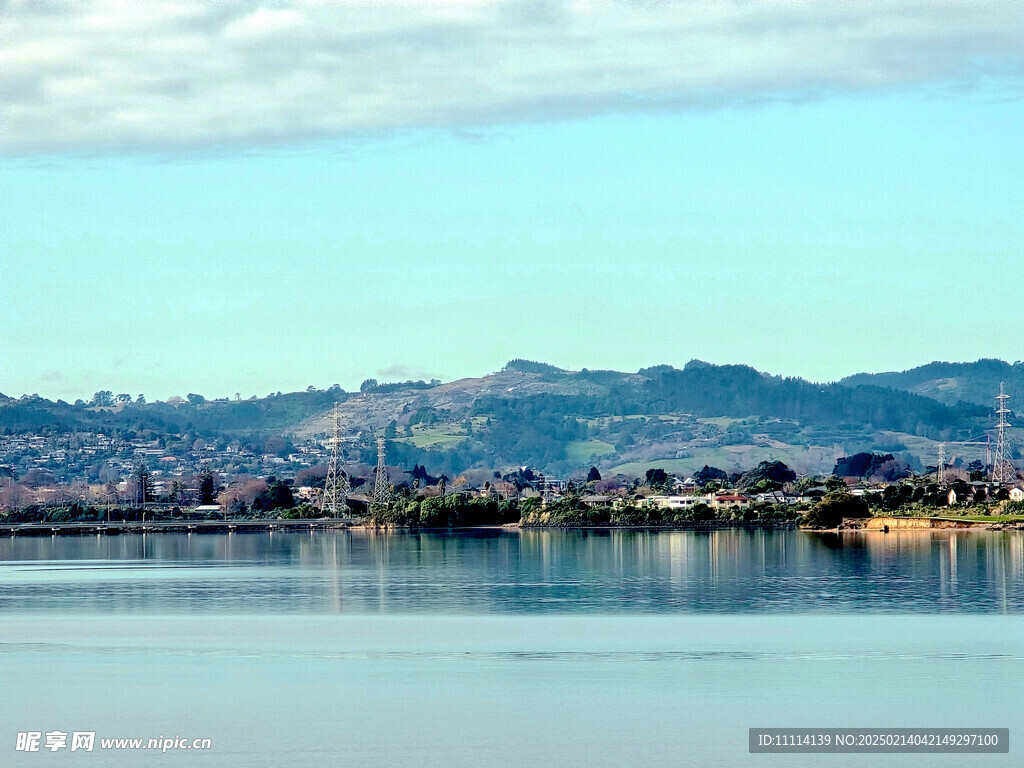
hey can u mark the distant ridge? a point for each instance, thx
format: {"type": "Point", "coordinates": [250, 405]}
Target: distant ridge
{"type": "Point", "coordinates": [950, 383]}
{"type": "Point", "coordinates": [557, 420]}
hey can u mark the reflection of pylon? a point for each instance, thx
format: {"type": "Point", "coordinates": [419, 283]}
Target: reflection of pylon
{"type": "Point", "coordinates": [1002, 470]}
{"type": "Point", "coordinates": [381, 485]}
{"type": "Point", "coordinates": [336, 484]}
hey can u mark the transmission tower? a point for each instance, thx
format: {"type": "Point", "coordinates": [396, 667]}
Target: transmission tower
{"type": "Point", "coordinates": [1002, 470]}
{"type": "Point", "coordinates": [381, 485]}
{"type": "Point", "coordinates": [336, 486]}
{"type": "Point", "coordinates": [941, 473]}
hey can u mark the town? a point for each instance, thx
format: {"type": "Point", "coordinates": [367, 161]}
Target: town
{"type": "Point", "coordinates": [92, 477]}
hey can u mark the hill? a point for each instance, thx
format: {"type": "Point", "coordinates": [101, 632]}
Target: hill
{"type": "Point", "coordinates": [530, 413]}
{"type": "Point", "coordinates": [950, 383]}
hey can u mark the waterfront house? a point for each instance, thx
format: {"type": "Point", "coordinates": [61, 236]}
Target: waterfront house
{"type": "Point", "coordinates": [676, 502]}
{"type": "Point", "coordinates": [727, 500]}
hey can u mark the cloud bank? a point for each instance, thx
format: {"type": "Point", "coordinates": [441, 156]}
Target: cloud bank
{"type": "Point", "coordinates": [124, 75]}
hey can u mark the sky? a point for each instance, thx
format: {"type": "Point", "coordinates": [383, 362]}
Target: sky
{"type": "Point", "coordinates": [255, 197]}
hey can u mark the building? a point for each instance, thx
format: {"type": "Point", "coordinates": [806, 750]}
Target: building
{"type": "Point", "coordinates": [684, 486]}
{"type": "Point", "coordinates": [728, 500]}
{"type": "Point", "coordinates": [780, 498]}
{"type": "Point", "coordinates": [676, 502]}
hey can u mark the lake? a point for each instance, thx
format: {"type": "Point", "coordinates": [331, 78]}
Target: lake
{"type": "Point", "coordinates": [506, 647]}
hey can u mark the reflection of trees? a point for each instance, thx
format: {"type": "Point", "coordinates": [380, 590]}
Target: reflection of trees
{"type": "Point", "coordinates": [550, 571]}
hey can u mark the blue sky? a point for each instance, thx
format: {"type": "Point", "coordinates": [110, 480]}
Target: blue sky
{"type": "Point", "coordinates": [817, 234]}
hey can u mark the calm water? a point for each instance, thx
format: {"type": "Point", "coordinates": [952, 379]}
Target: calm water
{"type": "Point", "coordinates": [501, 648]}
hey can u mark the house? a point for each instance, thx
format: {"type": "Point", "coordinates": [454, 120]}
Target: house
{"type": "Point", "coordinates": [684, 486]}
{"type": "Point", "coordinates": [730, 500]}
{"type": "Point", "coordinates": [307, 492]}
{"type": "Point", "coordinates": [598, 501]}
{"type": "Point", "coordinates": [676, 502]}
{"type": "Point", "coordinates": [778, 497]}
{"type": "Point", "coordinates": [814, 494]}
{"type": "Point", "coordinates": [1016, 494]}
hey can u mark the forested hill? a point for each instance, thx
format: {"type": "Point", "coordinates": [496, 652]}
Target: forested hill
{"type": "Point", "coordinates": [950, 383]}
{"type": "Point", "coordinates": [533, 413]}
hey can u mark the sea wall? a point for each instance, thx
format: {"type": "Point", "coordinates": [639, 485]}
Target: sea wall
{"type": "Point", "coordinates": [897, 523]}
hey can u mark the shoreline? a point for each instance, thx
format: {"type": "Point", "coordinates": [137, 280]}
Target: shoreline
{"type": "Point", "coordinates": [880, 525]}
{"type": "Point", "coordinates": [270, 525]}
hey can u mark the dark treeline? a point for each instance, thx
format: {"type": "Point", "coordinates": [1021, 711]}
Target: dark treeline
{"type": "Point", "coordinates": [458, 510]}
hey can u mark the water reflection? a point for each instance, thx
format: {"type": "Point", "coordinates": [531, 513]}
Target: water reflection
{"type": "Point", "coordinates": [502, 571]}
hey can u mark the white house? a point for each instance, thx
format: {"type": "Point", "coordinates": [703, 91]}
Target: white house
{"type": "Point", "coordinates": [676, 502]}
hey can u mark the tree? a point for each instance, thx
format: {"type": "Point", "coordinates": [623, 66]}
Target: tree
{"type": "Point", "coordinates": [123, 398]}
{"type": "Point", "coordinates": [368, 386]}
{"type": "Point", "coordinates": [707, 474]}
{"type": "Point", "coordinates": [277, 496]}
{"type": "Point", "coordinates": [140, 488]}
{"type": "Point", "coordinates": [830, 511]}
{"type": "Point", "coordinates": [103, 399]}
{"type": "Point", "coordinates": [767, 476]}
{"type": "Point", "coordinates": [860, 464]}
{"type": "Point", "coordinates": [195, 399]}
{"type": "Point", "coordinates": [391, 431]}
{"type": "Point", "coordinates": [140, 400]}
{"type": "Point", "coordinates": [593, 475]}
{"type": "Point", "coordinates": [312, 476]}
{"type": "Point", "coordinates": [243, 493]}
{"type": "Point", "coordinates": [207, 489]}
{"type": "Point", "coordinates": [656, 477]}
{"type": "Point", "coordinates": [13, 496]}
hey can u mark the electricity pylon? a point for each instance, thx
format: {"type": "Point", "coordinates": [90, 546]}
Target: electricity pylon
{"type": "Point", "coordinates": [381, 484]}
{"type": "Point", "coordinates": [336, 485]}
{"type": "Point", "coordinates": [1003, 470]}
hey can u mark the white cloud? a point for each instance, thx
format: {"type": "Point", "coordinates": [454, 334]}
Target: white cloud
{"type": "Point", "coordinates": [156, 76]}
{"type": "Point", "coordinates": [261, 22]}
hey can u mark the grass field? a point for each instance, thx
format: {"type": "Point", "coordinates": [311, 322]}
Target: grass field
{"type": "Point", "coordinates": [722, 422]}
{"type": "Point", "coordinates": [583, 450]}
{"type": "Point", "coordinates": [449, 433]}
